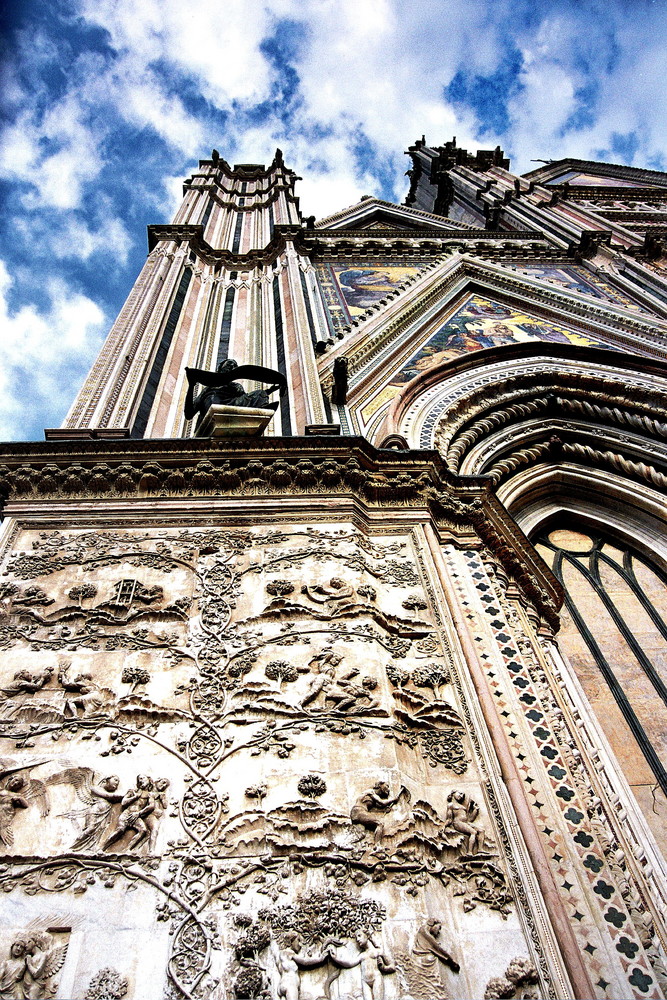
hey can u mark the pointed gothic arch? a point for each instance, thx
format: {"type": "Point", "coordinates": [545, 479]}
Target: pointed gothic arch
{"type": "Point", "coordinates": [574, 441]}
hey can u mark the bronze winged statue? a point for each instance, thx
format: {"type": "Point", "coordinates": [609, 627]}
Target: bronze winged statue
{"type": "Point", "coordinates": [221, 389]}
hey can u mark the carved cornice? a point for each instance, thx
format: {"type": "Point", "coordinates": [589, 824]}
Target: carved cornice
{"type": "Point", "coordinates": [280, 468]}
{"type": "Point", "coordinates": [272, 191]}
{"type": "Point", "coordinates": [323, 244]}
{"type": "Point", "coordinates": [341, 244]}
{"type": "Point", "coordinates": [194, 237]}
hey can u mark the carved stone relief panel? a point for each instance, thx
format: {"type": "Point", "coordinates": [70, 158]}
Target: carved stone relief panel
{"type": "Point", "coordinates": [244, 727]}
{"type": "Point", "coordinates": [61, 930]}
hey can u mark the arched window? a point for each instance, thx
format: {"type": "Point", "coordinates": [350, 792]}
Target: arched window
{"type": "Point", "coordinates": [614, 633]}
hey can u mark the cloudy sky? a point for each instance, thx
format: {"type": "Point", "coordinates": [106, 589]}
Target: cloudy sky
{"type": "Point", "coordinates": [110, 103]}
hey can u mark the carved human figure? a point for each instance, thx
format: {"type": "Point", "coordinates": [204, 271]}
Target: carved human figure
{"type": "Point", "coordinates": [347, 694]}
{"type": "Point", "coordinates": [81, 694]}
{"type": "Point", "coordinates": [324, 668]}
{"type": "Point", "coordinates": [136, 805]}
{"type": "Point", "coordinates": [373, 964]}
{"type": "Point", "coordinates": [160, 803]}
{"type": "Point", "coordinates": [462, 815]}
{"type": "Point", "coordinates": [12, 970]}
{"type": "Point", "coordinates": [290, 959]}
{"type": "Point", "coordinates": [428, 949]}
{"type": "Point", "coordinates": [26, 682]}
{"type": "Point", "coordinates": [371, 808]}
{"type": "Point", "coordinates": [336, 595]}
{"type": "Point", "coordinates": [11, 799]}
{"type": "Point", "coordinates": [33, 960]}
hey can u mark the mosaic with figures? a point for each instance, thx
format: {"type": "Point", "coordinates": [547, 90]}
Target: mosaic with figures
{"type": "Point", "coordinates": [351, 288]}
{"type": "Point", "coordinates": [575, 278]}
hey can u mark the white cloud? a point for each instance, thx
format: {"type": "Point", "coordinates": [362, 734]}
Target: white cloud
{"type": "Point", "coordinates": [54, 178]}
{"type": "Point", "coordinates": [70, 236]}
{"type": "Point", "coordinates": [616, 59]}
{"type": "Point", "coordinates": [218, 44]}
{"type": "Point", "coordinates": [43, 356]}
{"type": "Point", "coordinates": [372, 77]}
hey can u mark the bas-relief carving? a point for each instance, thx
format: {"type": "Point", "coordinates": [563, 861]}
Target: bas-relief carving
{"type": "Point", "coordinates": [29, 969]}
{"type": "Point", "coordinates": [103, 815]}
{"type": "Point", "coordinates": [284, 650]}
{"type": "Point", "coordinates": [107, 984]}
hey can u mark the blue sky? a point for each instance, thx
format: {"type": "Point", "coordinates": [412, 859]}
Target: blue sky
{"type": "Point", "coordinates": [108, 105]}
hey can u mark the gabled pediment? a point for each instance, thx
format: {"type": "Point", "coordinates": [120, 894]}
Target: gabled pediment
{"type": "Point", "coordinates": [590, 173]}
{"type": "Point", "coordinates": [375, 214]}
{"type": "Point", "coordinates": [466, 305]}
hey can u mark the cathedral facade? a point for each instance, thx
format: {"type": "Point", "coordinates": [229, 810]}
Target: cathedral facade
{"type": "Point", "coordinates": [345, 677]}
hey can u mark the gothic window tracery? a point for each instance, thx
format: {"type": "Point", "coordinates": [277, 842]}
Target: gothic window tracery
{"type": "Point", "coordinates": [614, 633]}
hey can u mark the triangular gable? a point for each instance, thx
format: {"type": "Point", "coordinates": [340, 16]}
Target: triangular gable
{"type": "Point", "coordinates": [589, 173]}
{"type": "Point", "coordinates": [479, 323]}
{"type": "Point", "coordinates": [435, 319]}
{"type": "Point", "coordinates": [370, 212]}
{"type": "Point", "coordinates": [482, 322]}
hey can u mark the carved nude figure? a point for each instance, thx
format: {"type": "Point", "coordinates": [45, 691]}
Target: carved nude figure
{"type": "Point", "coordinates": [336, 595]}
{"type": "Point", "coordinates": [290, 960]}
{"type": "Point", "coordinates": [371, 808]}
{"type": "Point", "coordinates": [348, 694]}
{"type": "Point", "coordinates": [462, 814]}
{"type": "Point", "coordinates": [160, 803]}
{"type": "Point", "coordinates": [373, 965]}
{"type": "Point", "coordinates": [136, 805]}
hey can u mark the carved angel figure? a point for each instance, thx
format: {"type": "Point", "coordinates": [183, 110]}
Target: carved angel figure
{"type": "Point", "coordinates": [18, 790]}
{"type": "Point", "coordinates": [99, 798]}
{"type": "Point", "coordinates": [34, 958]}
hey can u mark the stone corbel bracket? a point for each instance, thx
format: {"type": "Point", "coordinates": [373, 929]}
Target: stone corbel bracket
{"type": "Point", "coordinates": [327, 471]}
